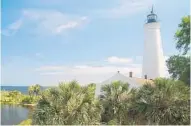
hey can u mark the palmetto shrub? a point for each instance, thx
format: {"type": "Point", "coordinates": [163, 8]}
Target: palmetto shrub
{"type": "Point", "coordinates": [68, 104]}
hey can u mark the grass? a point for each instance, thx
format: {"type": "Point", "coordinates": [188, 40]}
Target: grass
{"type": "Point", "coordinates": [26, 122]}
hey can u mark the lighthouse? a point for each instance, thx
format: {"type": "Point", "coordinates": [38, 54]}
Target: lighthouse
{"type": "Point", "coordinates": [153, 59]}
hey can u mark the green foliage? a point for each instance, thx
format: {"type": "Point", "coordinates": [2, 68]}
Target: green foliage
{"type": "Point", "coordinates": [29, 100]}
{"type": "Point", "coordinates": [34, 90]}
{"type": "Point", "coordinates": [183, 35]}
{"type": "Point", "coordinates": [16, 97]}
{"type": "Point", "coordinates": [26, 122]}
{"type": "Point", "coordinates": [113, 122]}
{"type": "Point", "coordinates": [68, 104]}
{"type": "Point", "coordinates": [166, 103]}
{"type": "Point", "coordinates": [11, 97]}
{"type": "Point", "coordinates": [179, 67]}
{"type": "Point", "coordinates": [115, 101]}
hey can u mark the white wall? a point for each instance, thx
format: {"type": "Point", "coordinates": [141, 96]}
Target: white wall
{"type": "Point", "coordinates": [153, 59]}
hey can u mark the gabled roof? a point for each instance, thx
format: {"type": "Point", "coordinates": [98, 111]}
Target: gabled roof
{"type": "Point", "coordinates": [120, 77]}
{"type": "Point", "coordinates": [132, 81]}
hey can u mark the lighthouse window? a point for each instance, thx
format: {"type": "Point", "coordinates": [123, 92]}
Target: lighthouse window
{"type": "Point", "coordinates": [151, 17]}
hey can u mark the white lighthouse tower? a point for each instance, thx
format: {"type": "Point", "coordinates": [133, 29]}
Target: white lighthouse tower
{"type": "Point", "coordinates": [153, 59]}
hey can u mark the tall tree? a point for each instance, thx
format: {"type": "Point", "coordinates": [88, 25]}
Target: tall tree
{"type": "Point", "coordinates": [37, 89]}
{"type": "Point", "coordinates": [182, 35]}
{"type": "Point", "coordinates": [31, 90]}
{"type": "Point", "coordinates": [34, 90]}
{"type": "Point", "coordinates": [179, 65]}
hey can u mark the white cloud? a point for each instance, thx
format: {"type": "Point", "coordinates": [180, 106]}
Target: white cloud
{"type": "Point", "coordinates": [85, 74]}
{"type": "Point", "coordinates": [66, 26]}
{"type": "Point", "coordinates": [126, 7]}
{"type": "Point", "coordinates": [118, 60]}
{"type": "Point", "coordinates": [45, 22]}
{"type": "Point", "coordinates": [12, 28]}
{"type": "Point", "coordinates": [70, 25]}
{"type": "Point", "coordinates": [54, 22]}
{"type": "Point", "coordinates": [52, 74]}
{"type": "Point", "coordinates": [16, 25]}
{"type": "Point", "coordinates": [50, 68]}
{"type": "Point", "coordinates": [81, 67]}
{"type": "Point", "coordinates": [124, 65]}
{"type": "Point", "coordinates": [88, 73]}
{"type": "Point", "coordinates": [87, 69]}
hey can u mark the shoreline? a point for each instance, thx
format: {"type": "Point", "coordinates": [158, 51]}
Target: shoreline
{"type": "Point", "coordinates": [27, 105]}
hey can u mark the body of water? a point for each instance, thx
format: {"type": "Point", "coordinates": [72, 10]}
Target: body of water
{"type": "Point", "coordinates": [22, 89]}
{"type": "Point", "coordinates": [13, 114]}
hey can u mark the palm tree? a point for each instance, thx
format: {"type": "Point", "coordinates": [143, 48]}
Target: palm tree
{"type": "Point", "coordinates": [115, 99]}
{"type": "Point", "coordinates": [37, 89]}
{"type": "Point", "coordinates": [34, 89]}
{"type": "Point", "coordinates": [165, 103]}
{"type": "Point", "coordinates": [30, 90]}
{"type": "Point", "coordinates": [68, 104]}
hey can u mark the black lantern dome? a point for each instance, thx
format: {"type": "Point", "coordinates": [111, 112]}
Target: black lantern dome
{"type": "Point", "coordinates": [151, 17]}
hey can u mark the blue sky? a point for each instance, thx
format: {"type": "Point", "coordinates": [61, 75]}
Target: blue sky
{"type": "Point", "coordinates": [48, 41]}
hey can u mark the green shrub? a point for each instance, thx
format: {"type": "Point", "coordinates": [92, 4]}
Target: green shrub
{"type": "Point", "coordinates": [26, 122]}
{"type": "Point", "coordinates": [27, 100]}
{"type": "Point", "coordinates": [16, 97]}
{"type": "Point", "coordinates": [11, 97]}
